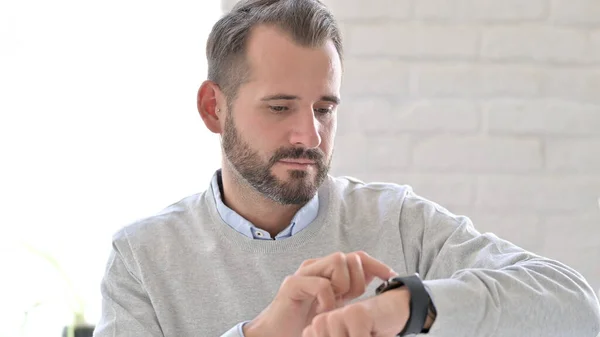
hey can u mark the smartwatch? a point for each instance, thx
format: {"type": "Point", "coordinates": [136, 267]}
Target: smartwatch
{"type": "Point", "coordinates": [419, 304]}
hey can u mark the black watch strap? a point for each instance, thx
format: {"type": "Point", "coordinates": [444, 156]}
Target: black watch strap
{"type": "Point", "coordinates": [419, 301]}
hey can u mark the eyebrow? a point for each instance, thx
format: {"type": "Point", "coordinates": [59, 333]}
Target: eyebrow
{"type": "Point", "coordinates": [276, 97]}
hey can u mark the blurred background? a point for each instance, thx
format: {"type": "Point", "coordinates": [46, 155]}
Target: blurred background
{"type": "Point", "coordinates": [490, 108]}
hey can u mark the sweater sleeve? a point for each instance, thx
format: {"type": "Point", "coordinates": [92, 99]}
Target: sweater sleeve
{"type": "Point", "coordinates": [482, 285]}
{"type": "Point", "coordinates": [126, 307]}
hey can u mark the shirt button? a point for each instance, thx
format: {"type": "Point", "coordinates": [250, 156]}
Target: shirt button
{"type": "Point", "coordinates": [259, 234]}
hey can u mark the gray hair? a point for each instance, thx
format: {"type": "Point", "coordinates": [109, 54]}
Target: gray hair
{"type": "Point", "coordinates": [308, 22]}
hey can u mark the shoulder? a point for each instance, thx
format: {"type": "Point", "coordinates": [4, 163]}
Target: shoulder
{"type": "Point", "coordinates": [356, 197]}
{"type": "Point", "coordinates": [413, 207]}
{"type": "Point", "coordinates": [347, 186]}
{"type": "Point", "coordinates": [168, 225]}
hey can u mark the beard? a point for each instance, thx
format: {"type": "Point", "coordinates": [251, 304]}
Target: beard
{"type": "Point", "coordinates": [298, 189]}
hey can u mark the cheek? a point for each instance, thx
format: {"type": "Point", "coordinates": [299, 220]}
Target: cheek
{"type": "Point", "coordinates": [263, 140]}
{"type": "Point", "coordinates": [327, 137]}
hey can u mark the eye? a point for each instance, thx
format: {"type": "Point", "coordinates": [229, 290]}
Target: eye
{"type": "Point", "coordinates": [278, 108]}
{"type": "Point", "coordinates": [324, 111]}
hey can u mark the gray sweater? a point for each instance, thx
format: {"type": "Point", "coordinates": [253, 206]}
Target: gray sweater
{"type": "Point", "coordinates": [185, 273]}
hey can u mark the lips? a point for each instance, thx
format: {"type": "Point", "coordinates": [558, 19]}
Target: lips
{"type": "Point", "coordinates": [298, 161]}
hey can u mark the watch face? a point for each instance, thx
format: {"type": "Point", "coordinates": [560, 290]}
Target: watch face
{"type": "Point", "coordinates": [388, 285]}
{"type": "Point", "coordinates": [395, 282]}
{"type": "Point", "coordinates": [382, 287]}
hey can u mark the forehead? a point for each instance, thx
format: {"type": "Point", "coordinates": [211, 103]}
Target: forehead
{"type": "Point", "coordinates": [275, 60]}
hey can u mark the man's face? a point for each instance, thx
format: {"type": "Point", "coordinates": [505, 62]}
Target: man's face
{"type": "Point", "coordinates": [278, 133]}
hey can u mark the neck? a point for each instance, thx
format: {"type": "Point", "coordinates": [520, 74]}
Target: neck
{"type": "Point", "coordinates": [261, 211]}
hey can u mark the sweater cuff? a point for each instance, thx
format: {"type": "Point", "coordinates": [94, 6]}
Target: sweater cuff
{"type": "Point", "coordinates": [236, 331]}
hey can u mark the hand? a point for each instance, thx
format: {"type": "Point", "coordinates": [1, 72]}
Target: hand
{"type": "Point", "coordinates": [318, 286]}
{"type": "Point", "coordinates": [384, 315]}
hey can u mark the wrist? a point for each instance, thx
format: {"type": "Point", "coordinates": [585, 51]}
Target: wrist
{"type": "Point", "coordinates": [393, 307]}
{"type": "Point", "coordinates": [252, 329]}
{"type": "Point", "coordinates": [429, 320]}
{"type": "Point", "coordinates": [419, 302]}
{"type": "Point", "coordinates": [431, 313]}
{"type": "Point", "coordinates": [399, 299]}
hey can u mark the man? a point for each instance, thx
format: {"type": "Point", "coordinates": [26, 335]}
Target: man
{"type": "Point", "coordinates": [277, 247]}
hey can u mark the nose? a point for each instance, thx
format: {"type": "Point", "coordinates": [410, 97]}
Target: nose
{"type": "Point", "coordinates": [305, 130]}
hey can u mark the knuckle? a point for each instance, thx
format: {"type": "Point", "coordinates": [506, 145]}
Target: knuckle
{"type": "Point", "coordinates": [320, 322]}
{"type": "Point", "coordinates": [307, 262]}
{"type": "Point", "coordinates": [288, 281]}
{"type": "Point", "coordinates": [323, 283]}
{"type": "Point", "coordinates": [338, 258]}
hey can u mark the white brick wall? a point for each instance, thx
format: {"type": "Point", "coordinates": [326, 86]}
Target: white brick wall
{"type": "Point", "coordinates": [543, 117]}
{"type": "Point", "coordinates": [410, 40]}
{"type": "Point", "coordinates": [365, 10]}
{"type": "Point", "coordinates": [476, 154]}
{"type": "Point", "coordinates": [489, 11]}
{"type": "Point", "coordinates": [473, 80]}
{"type": "Point", "coordinates": [536, 43]}
{"type": "Point", "coordinates": [575, 12]}
{"type": "Point", "coordinates": [375, 77]}
{"type": "Point", "coordinates": [573, 156]}
{"type": "Point", "coordinates": [489, 107]}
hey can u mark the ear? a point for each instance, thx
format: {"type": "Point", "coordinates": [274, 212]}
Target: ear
{"type": "Point", "coordinates": [211, 102]}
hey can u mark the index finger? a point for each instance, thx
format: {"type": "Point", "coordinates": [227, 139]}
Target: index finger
{"type": "Point", "coordinates": [374, 268]}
